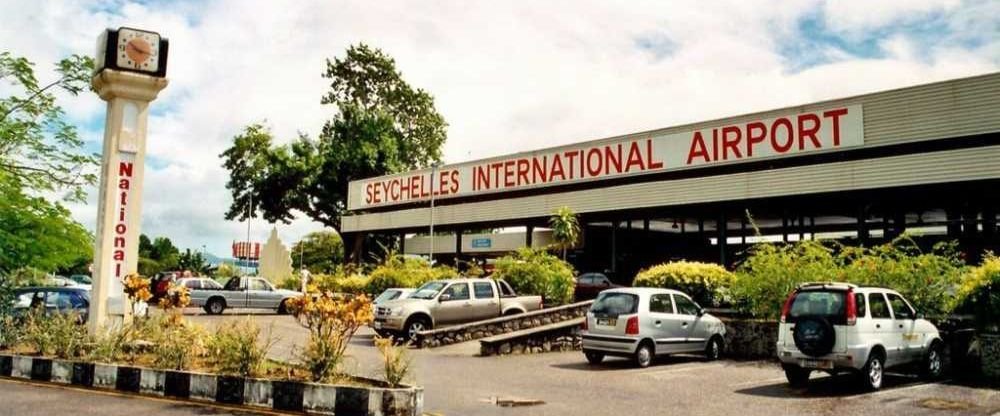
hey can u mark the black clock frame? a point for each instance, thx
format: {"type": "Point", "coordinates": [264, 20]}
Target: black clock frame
{"type": "Point", "coordinates": [111, 54]}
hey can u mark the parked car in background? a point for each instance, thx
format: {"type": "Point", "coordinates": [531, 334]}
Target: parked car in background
{"type": "Point", "coordinates": [452, 301]}
{"type": "Point", "coordinates": [199, 283]}
{"type": "Point", "coordinates": [387, 295]}
{"type": "Point", "coordinates": [641, 323]}
{"type": "Point", "coordinates": [242, 292]}
{"type": "Point", "coordinates": [588, 285]}
{"type": "Point", "coordinates": [52, 300]}
{"type": "Point", "coordinates": [840, 327]}
{"type": "Point", "coordinates": [81, 279]}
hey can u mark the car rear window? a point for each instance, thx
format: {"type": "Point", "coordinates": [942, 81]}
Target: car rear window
{"type": "Point", "coordinates": [819, 303]}
{"type": "Point", "coordinates": [615, 303]}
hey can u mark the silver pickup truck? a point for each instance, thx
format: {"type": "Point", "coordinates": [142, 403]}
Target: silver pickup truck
{"type": "Point", "coordinates": [453, 301]}
{"type": "Point", "coordinates": [242, 292]}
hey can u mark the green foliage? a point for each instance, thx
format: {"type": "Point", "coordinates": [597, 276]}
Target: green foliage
{"type": "Point", "coordinates": [381, 125]}
{"type": "Point", "coordinates": [536, 272]}
{"type": "Point", "coordinates": [292, 282]}
{"type": "Point", "coordinates": [37, 233]}
{"type": "Point", "coordinates": [157, 255]}
{"type": "Point", "coordinates": [341, 282]}
{"type": "Point", "coordinates": [979, 294]}
{"type": "Point", "coordinates": [239, 349]}
{"type": "Point", "coordinates": [707, 283]}
{"type": "Point", "coordinates": [320, 251]}
{"type": "Point", "coordinates": [54, 334]}
{"type": "Point", "coordinates": [39, 150]}
{"type": "Point", "coordinates": [177, 345]}
{"type": "Point", "coordinates": [772, 271]}
{"type": "Point", "coordinates": [400, 271]}
{"type": "Point", "coordinates": [395, 360]}
{"type": "Point", "coordinates": [565, 229]}
{"type": "Point", "coordinates": [193, 261]}
{"type": "Point", "coordinates": [225, 271]}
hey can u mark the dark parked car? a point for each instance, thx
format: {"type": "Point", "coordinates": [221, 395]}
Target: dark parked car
{"type": "Point", "coordinates": [588, 285]}
{"type": "Point", "coordinates": [52, 300]}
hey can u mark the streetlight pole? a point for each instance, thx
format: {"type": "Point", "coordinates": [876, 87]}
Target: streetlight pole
{"type": "Point", "coordinates": [433, 171]}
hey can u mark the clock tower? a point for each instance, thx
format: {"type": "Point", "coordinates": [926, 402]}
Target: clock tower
{"type": "Point", "coordinates": [130, 71]}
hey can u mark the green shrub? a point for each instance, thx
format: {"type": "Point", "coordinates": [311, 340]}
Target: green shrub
{"type": "Point", "coordinates": [979, 294]}
{"type": "Point", "coordinates": [291, 282]}
{"type": "Point", "coordinates": [399, 271]}
{"type": "Point", "coordinates": [536, 272]}
{"type": "Point", "coordinates": [238, 348]}
{"type": "Point", "coordinates": [177, 345]}
{"type": "Point", "coordinates": [340, 282]}
{"type": "Point", "coordinates": [55, 334]}
{"type": "Point", "coordinates": [772, 271]}
{"type": "Point", "coordinates": [707, 283]}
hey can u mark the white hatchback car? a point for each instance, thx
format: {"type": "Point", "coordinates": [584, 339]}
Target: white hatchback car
{"type": "Point", "coordinates": [840, 327]}
{"type": "Point", "coordinates": [642, 323]}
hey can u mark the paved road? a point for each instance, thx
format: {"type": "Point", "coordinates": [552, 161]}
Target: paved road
{"type": "Point", "coordinates": [457, 383]}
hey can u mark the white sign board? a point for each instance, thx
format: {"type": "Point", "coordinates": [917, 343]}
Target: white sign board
{"type": "Point", "coordinates": [781, 136]}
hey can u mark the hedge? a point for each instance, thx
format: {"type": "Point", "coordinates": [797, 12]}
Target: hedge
{"type": "Point", "coordinates": [536, 272]}
{"type": "Point", "coordinates": [707, 283]}
{"type": "Point", "coordinates": [979, 294]}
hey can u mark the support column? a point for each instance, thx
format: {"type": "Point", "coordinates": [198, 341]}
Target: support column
{"type": "Point", "coordinates": [614, 246]}
{"type": "Point", "coordinates": [954, 226]}
{"type": "Point", "coordinates": [721, 236]}
{"type": "Point", "coordinates": [529, 235]}
{"type": "Point", "coordinates": [458, 244]}
{"type": "Point", "coordinates": [402, 243]}
{"type": "Point", "coordinates": [863, 234]}
{"type": "Point", "coordinates": [784, 227]}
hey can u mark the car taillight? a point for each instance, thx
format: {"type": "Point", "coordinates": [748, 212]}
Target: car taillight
{"type": "Point", "coordinates": [788, 306]}
{"type": "Point", "coordinates": [852, 308]}
{"type": "Point", "coordinates": [632, 326]}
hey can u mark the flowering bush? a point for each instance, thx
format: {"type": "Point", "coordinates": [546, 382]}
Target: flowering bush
{"type": "Point", "coordinates": [771, 271]}
{"type": "Point", "coordinates": [707, 283]}
{"type": "Point", "coordinates": [332, 321]}
{"type": "Point", "coordinates": [536, 272]}
{"type": "Point", "coordinates": [979, 294]}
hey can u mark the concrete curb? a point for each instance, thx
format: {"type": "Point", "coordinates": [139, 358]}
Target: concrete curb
{"type": "Point", "coordinates": [281, 395]}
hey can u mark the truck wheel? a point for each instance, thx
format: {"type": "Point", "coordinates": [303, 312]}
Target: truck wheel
{"type": "Point", "coordinates": [594, 358]}
{"type": "Point", "coordinates": [873, 371]}
{"type": "Point", "coordinates": [282, 309]}
{"type": "Point", "coordinates": [797, 376]}
{"type": "Point", "coordinates": [215, 306]}
{"type": "Point", "coordinates": [932, 362]}
{"type": "Point", "coordinates": [413, 326]}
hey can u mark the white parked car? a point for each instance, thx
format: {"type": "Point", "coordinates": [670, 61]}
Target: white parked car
{"type": "Point", "coordinates": [642, 323]}
{"type": "Point", "coordinates": [839, 327]}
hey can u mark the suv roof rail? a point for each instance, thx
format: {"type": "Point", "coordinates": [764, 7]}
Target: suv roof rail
{"type": "Point", "coordinates": [826, 285]}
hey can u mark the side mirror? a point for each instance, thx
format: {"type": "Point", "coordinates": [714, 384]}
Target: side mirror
{"type": "Point", "coordinates": [444, 298]}
{"type": "Point", "coordinates": [606, 283]}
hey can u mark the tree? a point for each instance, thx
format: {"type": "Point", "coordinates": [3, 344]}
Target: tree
{"type": "Point", "coordinates": [565, 229]}
{"type": "Point", "coordinates": [320, 251]}
{"type": "Point", "coordinates": [40, 234]}
{"type": "Point", "coordinates": [193, 261]}
{"type": "Point", "coordinates": [157, 255]}
{"type": "Point", "coordinates": [382, 126]}
{"type": "Point", "coordinates": [38, 148]}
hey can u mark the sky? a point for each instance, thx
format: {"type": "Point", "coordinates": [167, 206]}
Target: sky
{"type": "Point", "coordinates": [507, 76]}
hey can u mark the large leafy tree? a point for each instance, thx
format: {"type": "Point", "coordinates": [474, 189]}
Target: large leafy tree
{"type": "Point", "coordinates": [320, 251]}
{"type": "Point", "coordinates": [38, 148]}
{"type": "Point", "coordinates": [38, 233]}
{"type": "Point", "coordinates": [382, 125]}
{"type": "Point", "coordinates": [157, 255]}
{"type": "Point", "coordinates": [193, 261]}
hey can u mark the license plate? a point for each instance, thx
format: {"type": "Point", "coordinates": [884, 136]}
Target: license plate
{"type": "Point", "coordinates": [822, 364]}
{"type": "Point", "coordinates": [606, 321]}
{"type": "Point", "coordinates": [377, 325]}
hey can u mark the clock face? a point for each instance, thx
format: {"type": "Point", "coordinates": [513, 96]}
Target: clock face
{"type": "Point", "coordinates": [138, 50]}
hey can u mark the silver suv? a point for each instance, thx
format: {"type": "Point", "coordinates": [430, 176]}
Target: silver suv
{"type": "Point", "coordinates": [840, 327]}
{"type": "Point", "coordinates": [641, 323]}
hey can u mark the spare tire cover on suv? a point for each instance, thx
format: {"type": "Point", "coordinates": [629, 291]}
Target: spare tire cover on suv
{"type": "Point", "coordinates": [814, 336]}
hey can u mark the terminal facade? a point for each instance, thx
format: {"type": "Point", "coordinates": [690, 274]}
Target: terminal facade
{"type": "Point", "coordinates": [863, 169]}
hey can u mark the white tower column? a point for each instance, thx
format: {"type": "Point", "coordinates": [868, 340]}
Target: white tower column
{"type": "Point", "coordinates": [119, 211]}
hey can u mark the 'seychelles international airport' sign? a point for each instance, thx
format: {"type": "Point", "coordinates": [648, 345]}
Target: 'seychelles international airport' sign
{"type": "Point", "coordinates": [781, 136]}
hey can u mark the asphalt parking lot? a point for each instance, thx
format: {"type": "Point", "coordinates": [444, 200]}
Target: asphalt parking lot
{"type": "Point", "coordinates": [457, 382]}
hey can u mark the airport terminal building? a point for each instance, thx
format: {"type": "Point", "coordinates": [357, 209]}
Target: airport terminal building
{"type": "Point", "coordinates": [864, 168]}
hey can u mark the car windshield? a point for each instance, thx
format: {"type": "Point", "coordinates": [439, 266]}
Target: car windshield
{"type": "Point", "coordinates": [428, 290]}
{"type": "Point", "coordinates": [822, 304]}
{"type": "Point", "coordinates": [615, 303]}
{"type": "Point", "coordinates": [387, 295]}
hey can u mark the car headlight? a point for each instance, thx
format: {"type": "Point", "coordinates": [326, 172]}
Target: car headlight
{"type": "Point", "coordinates": [396, 311]}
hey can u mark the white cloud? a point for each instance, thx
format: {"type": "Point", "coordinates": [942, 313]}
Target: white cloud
{"type": "Point", "coordinates": [507, 76]}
